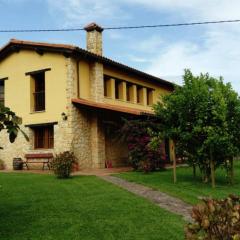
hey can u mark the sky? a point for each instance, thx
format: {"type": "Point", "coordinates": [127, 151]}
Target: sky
{"type": "Point", "coordinates": [163, 52]}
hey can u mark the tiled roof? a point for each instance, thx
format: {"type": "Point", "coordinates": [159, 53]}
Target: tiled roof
{"type": "Point", "coordinates": [110, 107]}
{"type": "Point", "coordinates": [15, 45]}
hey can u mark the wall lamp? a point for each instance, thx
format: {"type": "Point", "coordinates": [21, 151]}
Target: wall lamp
{"type": "Point", "coordinates": [64, 116]}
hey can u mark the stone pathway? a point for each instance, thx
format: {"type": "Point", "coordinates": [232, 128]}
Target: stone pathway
{"type": "Point", "coordinates": [163, 200]}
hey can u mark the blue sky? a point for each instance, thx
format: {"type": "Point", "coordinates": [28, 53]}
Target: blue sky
{"type": "Point", "coordinates": [162, 52]}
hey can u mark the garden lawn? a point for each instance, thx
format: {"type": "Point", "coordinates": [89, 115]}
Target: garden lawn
{"type": "Point", "coordinates": [85, 207]}
{"type": "Point", "coordinates": [186, 187]}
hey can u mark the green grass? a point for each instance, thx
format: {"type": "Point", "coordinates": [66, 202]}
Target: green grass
{"type": "Point", "coordinates": [43, 207]}
{"type": "Point", "coordinates": [186, 187]}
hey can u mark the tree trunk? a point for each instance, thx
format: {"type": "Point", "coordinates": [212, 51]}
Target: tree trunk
{"type": "Point", "coordinates": [231, 171]}
{"type": "Point", "coordinates": [212, 169]}
{"type": "Point", "coordinates": [173, 158]}
{"type": "Point", "coordinates": [174, 169]}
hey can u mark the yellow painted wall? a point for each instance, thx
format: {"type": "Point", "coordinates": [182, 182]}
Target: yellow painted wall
{"type": "Point", "coordinates": [18, 94]}
{"type": "Point", "coordinates": [124, 76]}
{"type": "Point", "coordinates": [17, 87]}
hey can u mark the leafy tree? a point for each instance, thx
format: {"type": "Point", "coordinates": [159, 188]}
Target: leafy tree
{"type": "Point", "coordinates": [203, 119]}
{"type": "Point", "coordinates": [10, 122]}
{"type": "Point", "coordinates": [136, 132]}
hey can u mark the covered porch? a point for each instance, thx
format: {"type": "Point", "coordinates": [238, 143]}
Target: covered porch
{"type": "Point", "coordinates": [106, 119]}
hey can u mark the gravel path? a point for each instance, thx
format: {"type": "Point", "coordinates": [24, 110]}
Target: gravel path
{"type": "Point", "coordinates": [163, 200]}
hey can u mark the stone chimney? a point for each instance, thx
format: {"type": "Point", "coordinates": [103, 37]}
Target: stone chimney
{"type": "Point", "coordinates": [94, 38]}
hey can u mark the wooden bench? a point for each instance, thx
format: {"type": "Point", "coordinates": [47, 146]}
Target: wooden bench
{"type": "Point", "coordinates": [44, 158]}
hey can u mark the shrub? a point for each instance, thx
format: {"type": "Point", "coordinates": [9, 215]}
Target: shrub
{"type": "Point", "coordinates": [62, 164]}
{"type": "Point", "coordinates": [215, 219]}
{"type": "Point", "coordinates": [137, 135]}
{"type": "Point", "coordinates": [2, 165]}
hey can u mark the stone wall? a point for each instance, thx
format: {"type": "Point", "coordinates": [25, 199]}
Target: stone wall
{"type": "Point", "coordinates": [21, 146]}
{"type": "Point", "coordinates": [116, 152]}
{"type": "Point", "coordinates": [13, 150]}
{"type": "Point", "coordinates": [94, 42]}
{"type": "Point", "coordinates": [83, 131]}
{"type": "Point", "coordinates": [96, 82]}
{"type": "Point", "coordinates": [79, 120]}
{"type": "Point", "coordinates": [97, 142]}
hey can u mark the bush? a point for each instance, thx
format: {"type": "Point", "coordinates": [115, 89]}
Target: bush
{"type": "Point", "coordinates": [137, 135]}
{"type": "Point", "coordinates": [62, 164]}
{"type": "Point", "coordinates": [215, 219]}
{"type": "Point", "coordinates": [2, 165]}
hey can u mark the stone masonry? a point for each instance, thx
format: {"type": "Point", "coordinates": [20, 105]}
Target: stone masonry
{"type": "Point", "coordinates": [83, 131]}
{"type": "Point", "coordinates": [94, 38]}
{"type": "Point", "coordinates": [86, 136]}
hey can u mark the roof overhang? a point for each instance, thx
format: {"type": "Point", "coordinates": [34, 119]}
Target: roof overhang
{"type": "Point", "coordinates": [15, 45]}
{"type": "Point", "coordinates": [110, 107]}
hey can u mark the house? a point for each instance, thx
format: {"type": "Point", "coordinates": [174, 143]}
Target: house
{"type": "Point", "coordinates": [65, 94]}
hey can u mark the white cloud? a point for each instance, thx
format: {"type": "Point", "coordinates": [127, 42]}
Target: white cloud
{"type": "Point", "coordinates": [212, 9]}
{"type": "Point", "coordinates": [80, 12]}
{"type": "Point", "coordinates": [219, 54]}
{"type": "Point", "coordinates": [137, 59]}
{"type": "Point", "coordinates": [216, 50]}
{"type": "Point", "coordinates": [151, 44]}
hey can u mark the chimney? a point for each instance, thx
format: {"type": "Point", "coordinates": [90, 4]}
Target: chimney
{"type": "Point", "coordinates": [94, 38]}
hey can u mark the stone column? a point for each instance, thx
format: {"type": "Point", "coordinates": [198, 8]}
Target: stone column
{"type": "Point", "coordinates": [96, 82]}
{"type": "Point", "coordinates": [94, 45]}
{"type": "Point", "coordinates": [97, 142]}
{"type": "Point", "coordinates": [112, 87]}
{"type": "Point", "coordinates": [94, 38]}
{"type": "Point", "coordinates": [134, 93]}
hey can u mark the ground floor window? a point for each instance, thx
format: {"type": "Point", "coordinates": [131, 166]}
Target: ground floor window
{"type": "Point", "coordinates": [43, 137]}
{"type": "Point", "coordinates": [2, 92]}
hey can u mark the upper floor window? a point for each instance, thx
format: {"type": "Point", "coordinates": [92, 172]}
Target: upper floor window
{"type": "Point", "coordinates": [2, 92]}
{"type": "Point", "coordinates": [43, 137]}
{"type": "Point", "coordinates": [149, 96]}
{"type": "Point", "coordinates": [139, 94]}
{"type": "Point", "coordinates": [107, 87]}
{"type": "Point", "coordinates": [118, 89]}
{"type": "Point", "coordinates": [130, 92]}
{"type": "Point", "coordinates": [39, 91]}
{"type": "Point", "coordinates": [128, 88]}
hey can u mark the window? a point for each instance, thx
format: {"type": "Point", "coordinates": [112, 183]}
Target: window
{"type": "Point", "coordinates": [107, 87]}
{"type": "Point", "coordinates": [43, 137]}
{"type": "Point", "coordinates": [130, 92]}
{"type": "Point", "coordinates": [140, 94]}
{"type": "Point", "coordinates": [128, 89]}
{"type": "Point", "coordinates": [118, 89]}
{"type": "Point", "coordinates": [149, 96]}
{"type": "Point", "coordinates": [39, 91]}
{"type": "Point", "coordinates": [2, 92]}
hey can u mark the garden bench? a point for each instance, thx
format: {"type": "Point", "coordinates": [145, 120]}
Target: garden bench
{"type": "Point", "coordinates": [44, 158]}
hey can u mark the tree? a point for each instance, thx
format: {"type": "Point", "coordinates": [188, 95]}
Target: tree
{"type": "Point", "coordinates": [203, 119]}
{"type": "Point", "coordinates": [136, 133]}
{"type": "Point", "coordinates": [10, 122]}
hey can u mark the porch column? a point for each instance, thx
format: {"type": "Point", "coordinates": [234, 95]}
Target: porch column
{"type": "Point", "coordinates": [112, 88]}
{"type": "Point", "coordinates": [97, 143]}
{"type": "Point", "coordinates": [134, 93]}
